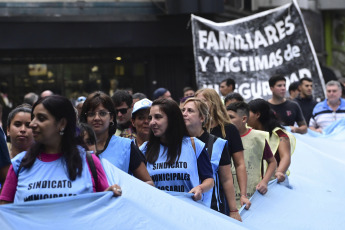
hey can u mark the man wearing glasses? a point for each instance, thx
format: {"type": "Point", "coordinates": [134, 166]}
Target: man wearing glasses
{"type": "Point", "coordinates": [123, 107]}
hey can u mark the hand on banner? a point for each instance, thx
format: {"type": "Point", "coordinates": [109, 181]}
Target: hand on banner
{"type": "Point", "coordinates": [197, 193]}
{"type": "Point", "coordinates": [280, 176]}
{"type": "Point", "coordinates": [293, 129]}
{"type": "Point", "coordinates": [245, 201]}
{"type": "Point", "coordinates": [235, 215]}
{"type": "Point", "coordinates": [262, 187]}
{"type": "Point", "coordinates": [116, 189]}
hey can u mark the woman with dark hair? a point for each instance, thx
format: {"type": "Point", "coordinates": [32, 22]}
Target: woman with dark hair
{"type": "Point", "coordinates": [195, 114]}
{"type": "Point", "coordinates": [18, 129]}
{"type": "Point", "coordinates": [282, 143]}
{"type": "Point", "coordinates": [220, 125]}
{"type": "Point", "coordinates": [99, 112]}
{"type": "Point", "coordinates": [87, 137]}
{"type": "Point", "coordinates": [54, 166]}
{"type": "Point", "coordinates": [176, 162]}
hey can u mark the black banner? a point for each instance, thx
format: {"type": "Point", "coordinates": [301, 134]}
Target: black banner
{"type": "Point", "coordinates": [252, 49]}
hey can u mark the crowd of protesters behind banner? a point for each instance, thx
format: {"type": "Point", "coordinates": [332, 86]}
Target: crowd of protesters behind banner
{"type": "Point", "coordinates": [217, 147]}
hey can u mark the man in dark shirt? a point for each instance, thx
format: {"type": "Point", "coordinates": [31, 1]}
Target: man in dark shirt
{"type": "Point", "coordinates": [305, 98]}
{"type": "Point", "coordinates": [288, 112]}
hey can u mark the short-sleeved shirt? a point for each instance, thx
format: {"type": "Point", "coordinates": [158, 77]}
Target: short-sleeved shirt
{"type": "Point", "coordinates": [288, 113]}
{"type": "Point", "coordinates": [224, 159]}
{"type": "Point", "coordinates": [232, 136]}
{"type": "Point", "coordinates": [323, 115]}
{"type": "Point", "coordinates": [307, 105]}
{"type": "Point", "coordinates": [10, 186]}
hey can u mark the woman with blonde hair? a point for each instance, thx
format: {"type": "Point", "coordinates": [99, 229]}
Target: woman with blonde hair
{"type": "Point", "coordinates": [195, 114]}
{"type": "Point", "coordinates": [220, 125]}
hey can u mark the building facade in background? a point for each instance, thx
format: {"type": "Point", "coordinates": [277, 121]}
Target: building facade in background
{"type": "Point", "coordinates": [76, 47]}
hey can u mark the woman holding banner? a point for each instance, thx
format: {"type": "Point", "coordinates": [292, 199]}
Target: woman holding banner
{"type": "Point", "coordinates": [195, 114]}
{"type": "Point", "coordinates": [175, 161]}
{"type": "Point", "coordinates": [54, 166]}
{"type": "Point", "coordinates": [281, 142]}
{"type": "Point", "coordinates": [220, 126]}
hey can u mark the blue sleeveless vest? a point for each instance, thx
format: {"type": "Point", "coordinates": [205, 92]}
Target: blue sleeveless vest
{"type": "Point", "coordinates": [181, 176]}
{"type": "Point", "coordinates": [118, 152]}
{"type": "Point", "coordinates": [217, 151]}
{"type": "Point", "coordinates": [110, 171]}
{"type": "Point", "coordinates": [45, 180]}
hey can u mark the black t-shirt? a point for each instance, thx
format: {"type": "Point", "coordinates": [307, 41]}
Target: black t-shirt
{"type": "Point", "coordinates": [225, 159]}
{"type": "Point", "coordinates": [232, 136]}
{"type": "Point", "coordinates": [288, 112]}
{"type": "Point", "coordinates": [307, 105]}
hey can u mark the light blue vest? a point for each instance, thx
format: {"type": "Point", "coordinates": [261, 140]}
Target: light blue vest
{"type": "Point", "coordinates": [110, 171]}
{"type": "Point", "coordinates": [45, 180]}
{"type": "Point", "coordinates": [118, 152]}
{"type": "Point", "coordinates": [181, 176]}
{"type": "Point", "coordinates": [217, 151]}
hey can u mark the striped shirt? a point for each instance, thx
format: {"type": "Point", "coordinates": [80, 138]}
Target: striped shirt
{"type": "Point", "coordinates": [323, 115]}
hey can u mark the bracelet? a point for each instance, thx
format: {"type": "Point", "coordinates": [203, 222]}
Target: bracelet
{"type": "Point", "coordinates": [244, 195]}
{"type": "Point", "coordinates": [236, 210]}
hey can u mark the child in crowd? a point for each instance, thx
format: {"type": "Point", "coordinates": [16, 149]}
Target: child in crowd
{"type": "Point", "coordinates": [256, 149]}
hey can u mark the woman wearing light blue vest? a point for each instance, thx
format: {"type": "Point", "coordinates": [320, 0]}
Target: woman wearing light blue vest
{"type": "Point", "coordinates": [99, 112]}
{"type": "Point", "coordinates": [195, 114]}
{"type": "Point", "coordinates": [176, 162]}
{"type": "Point", "coordinates": [54, 166]}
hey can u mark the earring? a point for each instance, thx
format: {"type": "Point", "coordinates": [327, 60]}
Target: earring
{"type": "Point", "coordinates": [61, 132]}
{"type": "Point", "coordinates": [111, 123]}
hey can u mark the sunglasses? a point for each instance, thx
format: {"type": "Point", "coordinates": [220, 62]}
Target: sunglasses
{"type": "Point", "coordinates": [122, 111]}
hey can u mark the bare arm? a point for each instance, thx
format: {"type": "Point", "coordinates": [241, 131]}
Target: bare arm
{"type": "Point", "coordinates": [272, 165]}
{"type": "Point", "coordinates": [226, 179]}
{"type": "Point", "coordinates": [284, 150]}
{"type": "Point", "coordinates": [241, 176]}
{"type": "Point", "coordinates": [142, 174]}
{"type": "Point", "coordinates": [205, 186]}
{"type": "Point", "coordinates": [4, 202]}
{"type": "Point", "coordinates": [302, 128]}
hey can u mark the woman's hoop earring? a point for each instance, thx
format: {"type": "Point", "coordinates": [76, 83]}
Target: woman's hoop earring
{"type": "Point", "coordinates": [111, 123]}
{"type": "Point", "coordinates": [61, 132]}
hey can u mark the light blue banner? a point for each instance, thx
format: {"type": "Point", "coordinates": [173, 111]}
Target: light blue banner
{"type": "Point", "coordinates": [311, 198]}
{"type": "Point", "coordinates": [314, 198]}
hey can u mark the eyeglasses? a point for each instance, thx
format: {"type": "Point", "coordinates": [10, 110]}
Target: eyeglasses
{"type": "Point", "coordinates": [99, 113]}
{"type": "Point", "coordinates": [122, 111]}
